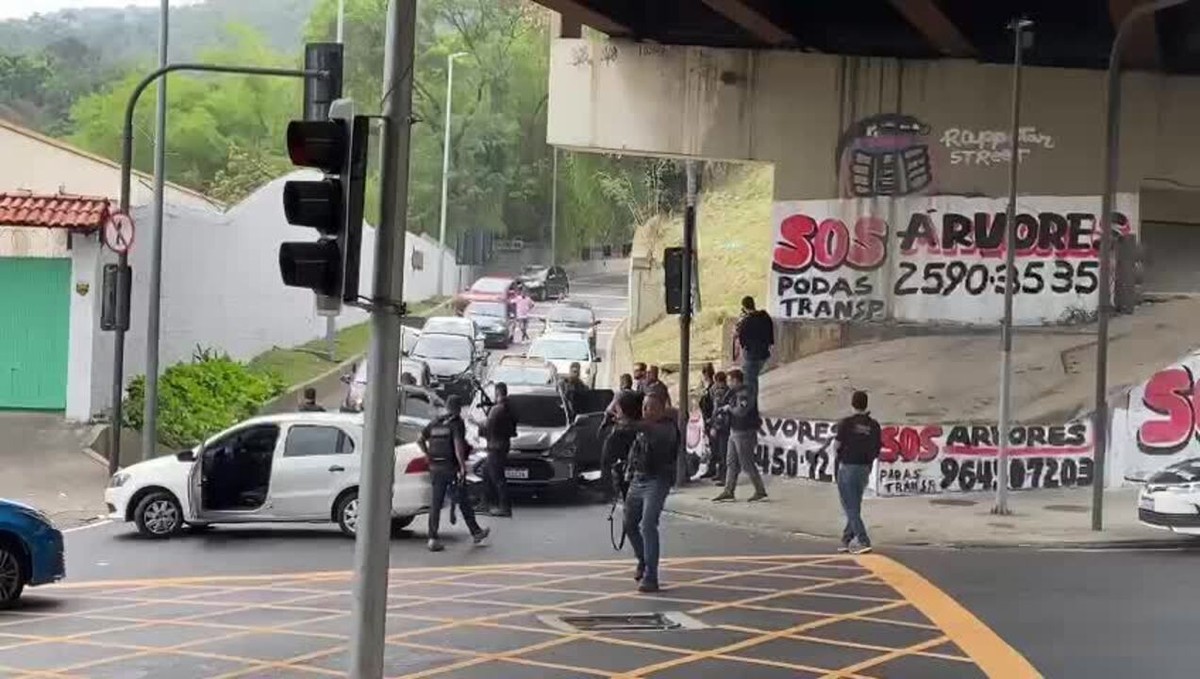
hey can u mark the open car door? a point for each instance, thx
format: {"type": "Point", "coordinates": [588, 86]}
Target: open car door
{"type": "Point", "coordinates": [584, 433]}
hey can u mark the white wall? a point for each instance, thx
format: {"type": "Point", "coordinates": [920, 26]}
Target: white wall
{"type": "Point", "coordinates": [923, 259]}
{"type": "Point", "coordinates": [1159, 424]}
{"type": "Point", "coordinates": [221, 287]}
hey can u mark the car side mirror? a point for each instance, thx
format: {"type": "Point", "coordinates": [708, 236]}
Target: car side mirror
{"type": "Point", "coordinates": [186, 456]}
{"type": "Point", "coordinates": [347, 377]}
{"type": "Point", "coordinates": [1139, 477]}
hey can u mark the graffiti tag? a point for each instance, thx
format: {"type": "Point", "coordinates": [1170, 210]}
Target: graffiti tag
{"type": "Point", "coordinates": [992, 147]}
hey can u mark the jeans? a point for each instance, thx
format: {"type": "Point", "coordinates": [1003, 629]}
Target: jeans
{"type": "Point", "coordinates": [445, 481]}
{"type": "Point", "coordinates": [643, 507]}
{"type": "Point", "coordinates": [752, 368]}
{"type": "Point", "coordinates": [741, 457]}
{"type": "Point", "coordinates": [497, 483]}
{"type": "Point", "coordinates": [852, 480]}
{"type": "Point", "coordinates": [718, 450]}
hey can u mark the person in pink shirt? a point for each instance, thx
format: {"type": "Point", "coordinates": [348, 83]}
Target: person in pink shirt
{"type": "Point", "coordinates": [524, 304]}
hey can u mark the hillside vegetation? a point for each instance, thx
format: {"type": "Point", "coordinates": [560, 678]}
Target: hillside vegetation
{"type": "Point", "coordinates": [733, 229]}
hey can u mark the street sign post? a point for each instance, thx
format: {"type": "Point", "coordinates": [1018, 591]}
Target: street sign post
{"type": "Point", "coordinates": [118, 233]}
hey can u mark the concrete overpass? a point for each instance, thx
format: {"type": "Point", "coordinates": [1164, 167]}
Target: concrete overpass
{"type": "Point", "coordinates": [898, 111]}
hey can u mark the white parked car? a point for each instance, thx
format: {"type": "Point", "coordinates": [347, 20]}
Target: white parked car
{"type": "Point", "coordinates": [1170, 498]}
{"type": "Point", "coordinates": [561, 349]}
{"type": "Point", "coordinates": [291, 467]}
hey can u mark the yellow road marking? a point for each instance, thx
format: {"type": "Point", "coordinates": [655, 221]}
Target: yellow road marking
{"type": "Point", "coordinates": [993, 655]}
{"type": "Point", "coordinates": [881, 659]}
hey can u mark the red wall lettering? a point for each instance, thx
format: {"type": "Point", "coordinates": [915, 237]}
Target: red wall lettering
{"type": "Point", "coordinates": [1170, 393]}
{"type": "Point", "coordinates": [803, 243]}
{"type": "Point", "coordinates": [910, 444]}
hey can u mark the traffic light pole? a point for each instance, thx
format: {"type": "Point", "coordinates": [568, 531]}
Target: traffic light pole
{"type": "Point", "coordinates": [373, 540]}
{"type": "Point", "coordinates": [685, 320]}
{"type": "Point", "coordinates": [118, 368]}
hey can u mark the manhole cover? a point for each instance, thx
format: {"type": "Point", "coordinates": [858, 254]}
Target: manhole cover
{"type": "Point", "coordinates": [1073, 509]}
{"type": "Point", "coordinates": [950, 502]}
{"type": "Point", "coordinates": [622, 622]}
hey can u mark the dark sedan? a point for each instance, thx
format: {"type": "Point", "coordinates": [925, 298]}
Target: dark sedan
{"type": "Point", "coordinates": [492, 319]}
{"type": "Point", "coordinates": [545, 282]}
{"type": "Point", "coordinates": [452, 361]}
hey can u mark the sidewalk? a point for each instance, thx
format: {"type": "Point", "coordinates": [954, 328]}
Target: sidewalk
{"type": "Point", "coordinates": [1040, 517]}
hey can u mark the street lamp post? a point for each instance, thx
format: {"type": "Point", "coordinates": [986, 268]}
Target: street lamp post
{"type": "Point", "coordinates": [441, 268]}
{"type": "Point", "coordinates": [1104, 302]}
{"type": "Point", "coordinates": [1018, 27]}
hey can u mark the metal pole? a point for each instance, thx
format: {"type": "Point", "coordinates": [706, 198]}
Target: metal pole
{"type": "Point", "coordinates": [445, 171]}
{"type": "Point", "coordinates": [1011, 279]}
{"type": "Point", "coordinates": [685, 319]}
{"type": "Point", "coordinates": [154, 292]}
{"type": "Point", "coordinates": [1103, 304]}
{"type": "Point", "coordinates": [341, 21]}
{"type": "Point", "coordinates": [118, 367]}
{"type": "Point", "coordinates": [554, 211]}
{"type": "Point", "coordinates": [371, 548]}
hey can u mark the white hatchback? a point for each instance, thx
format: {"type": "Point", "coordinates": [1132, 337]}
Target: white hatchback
{"type": "Point", "coordinates": [291, 467]}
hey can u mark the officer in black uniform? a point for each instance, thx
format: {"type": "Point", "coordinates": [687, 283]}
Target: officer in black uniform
{"type": "Point", "coordinates": [498, 431]}
{"type": "Point", "coordinates": [444, 442]}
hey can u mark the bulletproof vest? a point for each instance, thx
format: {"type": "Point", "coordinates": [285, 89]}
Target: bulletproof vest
{"type": "Point", "coordinates": [441, 441]}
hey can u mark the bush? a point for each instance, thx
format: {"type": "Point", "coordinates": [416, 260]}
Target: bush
{"type": "Point", "coordinates": [197, 399]}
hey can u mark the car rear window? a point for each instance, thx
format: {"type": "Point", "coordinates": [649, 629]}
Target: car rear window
{"type": "Point", "coordinates": [491, 285]}
{"type": "Point", "coordinates": [538, 410]}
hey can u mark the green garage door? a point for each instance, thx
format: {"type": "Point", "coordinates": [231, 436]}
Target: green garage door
{"type": "Point", "coordinates": [35, 307]}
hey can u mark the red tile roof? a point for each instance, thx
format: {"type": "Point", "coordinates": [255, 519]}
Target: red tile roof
{"type": "Point", "coordinates": [61, 211]}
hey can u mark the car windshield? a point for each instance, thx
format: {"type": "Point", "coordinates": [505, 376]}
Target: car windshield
{"type": "Point", "coordinates": [560, 349]}
{"type": "Point", "coordinates": [491, 285]}
{"type": "Point", "coordinates": [446, 347]}
{"type": "Point", "coordinates": [538, 410]}
{"type": "Point", "coordinates": [534, 271]}
{"type": "Point", "coordinates": [522, 374]}
{"type": "Point", "coordinates": [491, 309]}
{"type": "Point", "coordinates": [1187, 471]}
{"type": "Point", "coordinates": [448, 325]}
{"type": "Point", "coordinates": [570, 315]}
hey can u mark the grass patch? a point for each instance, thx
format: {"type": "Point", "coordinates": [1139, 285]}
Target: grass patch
{"type": "Point", "coordinates": [296, 365]}
{"type": "Point", "coordinates": [733, 232]}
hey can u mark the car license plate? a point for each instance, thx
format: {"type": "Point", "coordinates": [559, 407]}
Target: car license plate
{"type": "Point", "coordinates": [1146, 502]}
{"type": "Point", "coordinates": [516, 473]}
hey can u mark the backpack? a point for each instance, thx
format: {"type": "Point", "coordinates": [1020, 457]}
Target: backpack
{"type": "Point", "coordinates": [440, 443]}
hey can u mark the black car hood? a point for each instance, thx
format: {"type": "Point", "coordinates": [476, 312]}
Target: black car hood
{"type": "Point", "coordinates": [489, 322]}
{"type": "Point", "coordinates": [447, 367]}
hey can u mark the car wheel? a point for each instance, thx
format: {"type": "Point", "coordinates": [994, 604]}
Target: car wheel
{"type": "Point", "coordinates": [158, 515]}
{"type": "Point", "coordinates": [346, 512]}
{"type": "Point", "coordinates": [12, 574]}
{"type": "Point", "coordinates": [401, 522]}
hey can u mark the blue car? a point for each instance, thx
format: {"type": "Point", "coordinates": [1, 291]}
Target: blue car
{"type": "Point", "coordinates": [31, 550]}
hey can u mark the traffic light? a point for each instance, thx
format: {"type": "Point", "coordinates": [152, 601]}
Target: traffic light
{"type": "Point", "coordinates": [673, 279]}
{"type": "Point", "coordinates": [333, 205]}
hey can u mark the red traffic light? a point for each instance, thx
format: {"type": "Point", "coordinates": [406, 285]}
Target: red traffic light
{"type": "Point", "coordinates": [318, 143]}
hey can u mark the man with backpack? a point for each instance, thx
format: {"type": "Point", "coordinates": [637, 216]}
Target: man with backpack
{"type": "Point", "coordinates": [444, 442]}
{"type": "Point", "coordinates": [498, 430]}
{"type": "Point", "coordinates": [742, 411]}
{"type": "Point", "coordinates": [857, 442]}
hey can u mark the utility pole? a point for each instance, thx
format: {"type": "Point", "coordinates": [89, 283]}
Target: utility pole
{"type": "Point", "coordinates": [154, 292]}
{"type": "Point", "coordinates": [341, 21]}
{"type": "Point", "coordinates": [441, 268]}
{"type": "Point", "coordinates": [1011, 279]}
{"type": "Point", "coordinates": [1112, 137]}
{"type": "Point", "coordinates": [373, 534]}
{"type": "Point", "coordinates": [554, 211]}
{"type": "Point", "coordinates": [685, 319]}
{"type": "Point", "coordinates": [331, 320]}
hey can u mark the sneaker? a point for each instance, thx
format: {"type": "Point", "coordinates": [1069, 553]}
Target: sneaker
{"type": "Point", "coordinates": [843, 548]}
{"type": "Point", "coordinates": [861, 549]}
{"type": "Point", "coordinates": [481, 535]}
{"type": "Point", "coordinates": [757, 497]}
{"type": "Point", "coordinates": [648, 587]}
{"type": "Point", "coordinates": [724, 497]}
{"type": "Point", "coordinates": [435, 545]}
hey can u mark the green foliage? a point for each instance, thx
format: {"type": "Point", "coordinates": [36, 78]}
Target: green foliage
{"type": "Point", "coordinates": [201, 397]}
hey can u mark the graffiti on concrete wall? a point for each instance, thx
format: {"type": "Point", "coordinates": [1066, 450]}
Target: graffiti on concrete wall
{"type": "Point", "coordinates": [885, 155]}
{"type": "Point", "coordinates": [992, 147]}
{"type": "Point", "coordinates": [935, 458]}
{"type": "Point", "coordinates": [938, 258]}
{"type": "Point", "coordinates": [1161, 423]}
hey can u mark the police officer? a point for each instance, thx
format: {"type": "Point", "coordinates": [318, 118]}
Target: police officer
{"type": "Point", "coordinates": [498, 431]}
{"type": "Point", "coordinates": [444, 442]}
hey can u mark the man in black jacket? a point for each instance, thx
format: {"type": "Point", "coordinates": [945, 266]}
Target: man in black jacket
{"type": "Point", "coordinates": [744, 422]}
{"type": "Point", "coordinates": [857, 442]}
{"type": "Point", "coordinates": [756, 336]}
{"type": "Point", "coordinates": [498, 430]}
{"type": "Point", "coordinates": [444, 442]}
{"type": "Point", "coordinates": [651, 473]}
{"type": "Point", "coordinates": [618, 440]}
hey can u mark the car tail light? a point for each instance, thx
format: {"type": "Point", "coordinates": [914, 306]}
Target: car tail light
{"type": "Point", "coordinates": [417, 465]}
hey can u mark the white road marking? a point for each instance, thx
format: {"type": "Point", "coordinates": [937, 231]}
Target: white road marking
{"type": "Point", "coordinates": [86, 526]}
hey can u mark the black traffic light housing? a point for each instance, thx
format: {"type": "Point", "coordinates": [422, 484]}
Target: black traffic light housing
{"type": "Point", "coordinates": [333, 205]}
{"type": "Point", "coordinates": [673, 279]}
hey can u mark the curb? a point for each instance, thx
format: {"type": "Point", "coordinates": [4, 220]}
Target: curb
{"type": "Point", "coordinates": [1176, 542]}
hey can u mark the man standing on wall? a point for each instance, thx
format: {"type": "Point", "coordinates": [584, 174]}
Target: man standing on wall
{"type": "Point", "coordinates": [755, 336]}
{"type": "Point", "coordinates": [857, 443]}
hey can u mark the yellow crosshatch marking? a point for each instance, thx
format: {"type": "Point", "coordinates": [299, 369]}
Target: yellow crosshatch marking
{"type": "Point", "coordinates": [790, 615]}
